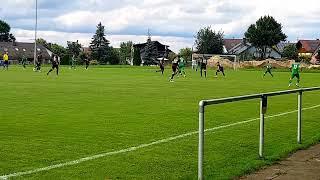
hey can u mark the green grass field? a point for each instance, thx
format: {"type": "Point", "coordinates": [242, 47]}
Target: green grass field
{"type": "Point", "coordinates": [48, 120]}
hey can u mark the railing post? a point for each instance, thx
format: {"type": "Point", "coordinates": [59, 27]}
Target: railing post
{"type": "Point", "coordinates": [261, 137]}
{"type": "Point", "coordinates": [299, 117]}
{"type": "Point", "coordinates": [201, 140]}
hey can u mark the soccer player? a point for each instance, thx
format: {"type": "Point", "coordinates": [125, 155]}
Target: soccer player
{"type": "Point", "coordinates": [174, 67]}
{"type": "Point", "coordinates": [295, 72]}
{"type": "Point", "coordinates": [161, 64]}
{"type": "Point", "coordinates": [182, 66]}
{"type": "Point", "coordinates": [269, 67]}
{"type": "Point", "coordinates": [87, 62]}
{"type": "Point", "coordinates": [204, 66]}
{"type": "Point", "coordinates": [220, 69]}
{"type": "Point", "coordinates": [73, 63]}
{"type": "Point", "coordinates": [38, 63]}
{"type": "Point", "coordinates": [23, 61]}
{"type": "Point", "coordinates": [55, 64]}
{"type": "Point", "coordinates": [6, 61]}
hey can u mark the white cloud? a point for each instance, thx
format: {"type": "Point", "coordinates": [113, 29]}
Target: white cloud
{"type": "Point", "coordinates": [167, 19]}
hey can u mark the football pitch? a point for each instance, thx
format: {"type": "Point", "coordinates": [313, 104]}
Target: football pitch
{"type": "Point", "coordinates": [131, 123]}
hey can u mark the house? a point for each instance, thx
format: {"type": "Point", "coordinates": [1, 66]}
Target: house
{"type": "Point", "coordinates": [162, 50]}
{"type": "Point", "coordinates": [307, 47]}
{"type": "Point", "coordinates": [16, 50]}
{"type": "Point", "coordinates": [282, 45]}
{"type": "Point", "coordinates": [246, 51]}
{"type": "Point", "coordinates": [315, 59]}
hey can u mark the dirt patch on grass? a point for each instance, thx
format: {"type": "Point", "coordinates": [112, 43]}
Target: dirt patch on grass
{"type": "Point", "coordinates": [304, 164]}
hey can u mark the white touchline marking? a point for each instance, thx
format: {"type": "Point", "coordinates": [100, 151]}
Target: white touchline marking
{"type": "Point", "coordinates": [70, 163]}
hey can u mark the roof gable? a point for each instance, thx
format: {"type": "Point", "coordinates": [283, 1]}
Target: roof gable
{"type": "Point", "coordinates": [308, 46]}
{"type": "Point", "coordinates": [231, 43]}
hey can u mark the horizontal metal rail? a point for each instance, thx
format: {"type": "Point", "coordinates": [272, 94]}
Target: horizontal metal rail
{"type": "Point", "coordinates": [254, 96]}
{"type": "Point", "coordinates": [263, 101]}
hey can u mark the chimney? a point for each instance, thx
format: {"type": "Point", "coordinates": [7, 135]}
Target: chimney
{"type": "Point", "coordinates": [244, 41]}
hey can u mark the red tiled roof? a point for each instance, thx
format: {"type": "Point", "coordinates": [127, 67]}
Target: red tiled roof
{"type": "Point", "coordinates": [308, 46]}
{"type": "Point", "coordinates": [230, 43]}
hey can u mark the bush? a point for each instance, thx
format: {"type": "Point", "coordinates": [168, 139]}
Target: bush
{"type": "Point", "coordinates": [65, 59]}
{"type": "Point", "coordinates": [94, 62]}
{"type": "Point", "coordinates": [305, 59]}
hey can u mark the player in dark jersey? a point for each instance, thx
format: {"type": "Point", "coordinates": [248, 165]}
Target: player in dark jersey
{"type": "Point", "coordinates": [55, 64]}
{"type": "Point", "coordinates": [175, 67]}
{"type": "Point", "coordinates": [161, 64]}
{"type": "Point", "coordinates": [203, 66]}
{"type": "Point", "coordinates": [268, 70]}
{"type": "Point", "coordinates": [220, 69]}
{"type": "Point", "coordinates": [87, 62]}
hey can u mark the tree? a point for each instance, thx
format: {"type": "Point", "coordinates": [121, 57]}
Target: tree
{"type": "Point", "coordinates": [291, 52]}
{"type": "Point", "coordinates": [74, 48]}
{"type": "Point", "coordinates": [57, 49]}
{"type": "Point", "coordinates": [266, 33]}
{"type": "Point", "coordinates": [5, 35]}
{"type": "Point", "coordinates": [100, 45]}
{"type": "Point", "coordinates": [43, 42]}
{"type": "Point", "coordinates": [209, 41]}
{"type": "Point", "coordinates": [113, 56]}
{"type": "Point", "coordinates": [136, 57]}
{"type": "Point", "coordinates": [171, 56]}
{"type": "Point", "coordinates": [151, 53]}
{"type": "Point", "coordinates": [186, 53]}
{"type": "Point", "coordinates": [125, 51]}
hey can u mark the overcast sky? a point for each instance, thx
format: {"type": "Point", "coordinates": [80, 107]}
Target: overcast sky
{"type": "Point", "coordinates": [174, 22]}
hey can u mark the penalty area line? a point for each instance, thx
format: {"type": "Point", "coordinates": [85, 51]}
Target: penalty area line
{"type": "Point", "coordinates": [134, 148]}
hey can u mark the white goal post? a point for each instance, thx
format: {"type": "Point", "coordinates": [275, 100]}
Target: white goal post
{"type": "Point", "coordinates": [263, 107]}
{"type": "Point", "coordinates": [197, 57]}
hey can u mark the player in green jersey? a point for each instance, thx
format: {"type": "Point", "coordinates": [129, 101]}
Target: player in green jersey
{"type": "Point", "coordinates": [182, 66]}
{"type": "Point", "coordinates": [295, 72]}
{"type": "Point", "coordinates": [268, 70]}
{"type": "Point", "coordinates": [24, 61]}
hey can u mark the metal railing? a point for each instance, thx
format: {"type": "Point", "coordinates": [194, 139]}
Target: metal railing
{"type": "Point", "coordinates": [263, 105]}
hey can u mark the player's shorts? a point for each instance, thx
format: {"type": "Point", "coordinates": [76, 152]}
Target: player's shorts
{"type": "Point", "coordinates": [181, 68]}
{"type": "Point", "coordinates": [55, 66]}
{"type": "Point", "coordinates": [293, 75]}
{"type": "Point", "coordinates": [174, 67]}
{"type": "Point", "coordinates": [220, 70]}
{"type": "Point", "coordinates": [5, 62]}
{"type": "Point", "coordinates": [204, 66]}
{"type": "Point", "coordinates": [161, 67]}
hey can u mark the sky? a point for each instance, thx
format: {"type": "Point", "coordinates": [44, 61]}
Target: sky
{"type": "Point", "coordinates": [172, 22]}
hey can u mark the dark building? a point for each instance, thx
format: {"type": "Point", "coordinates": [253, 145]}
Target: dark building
{"type": "Point", "coordinates": [162, 50]}
{"type": "Point", "coordinates": [16, 50]}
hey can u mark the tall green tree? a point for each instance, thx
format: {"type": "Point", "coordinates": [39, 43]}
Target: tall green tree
{"type": "Point", "coordinates": [186, 53]}
{"type": "Point", "coordinates": [209, 41]}
{"type": "Point", "coordinates": [150, 53]}
{"type": "Point", "coordinates": [290, 52]}
{"type": "Point", "coordinates": [264, 34]}
{"type": "Point", "coordinates": [5, 35]}
{"type": "Point", "coordinates": [125, 51]}
{"type": "Point", "coordinates": [136, 57]}
{"type": "Point", "coordinates": [100, 45]}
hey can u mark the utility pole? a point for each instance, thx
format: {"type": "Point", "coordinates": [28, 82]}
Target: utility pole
{"type": "Point", "coordinates": [35, 35]}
